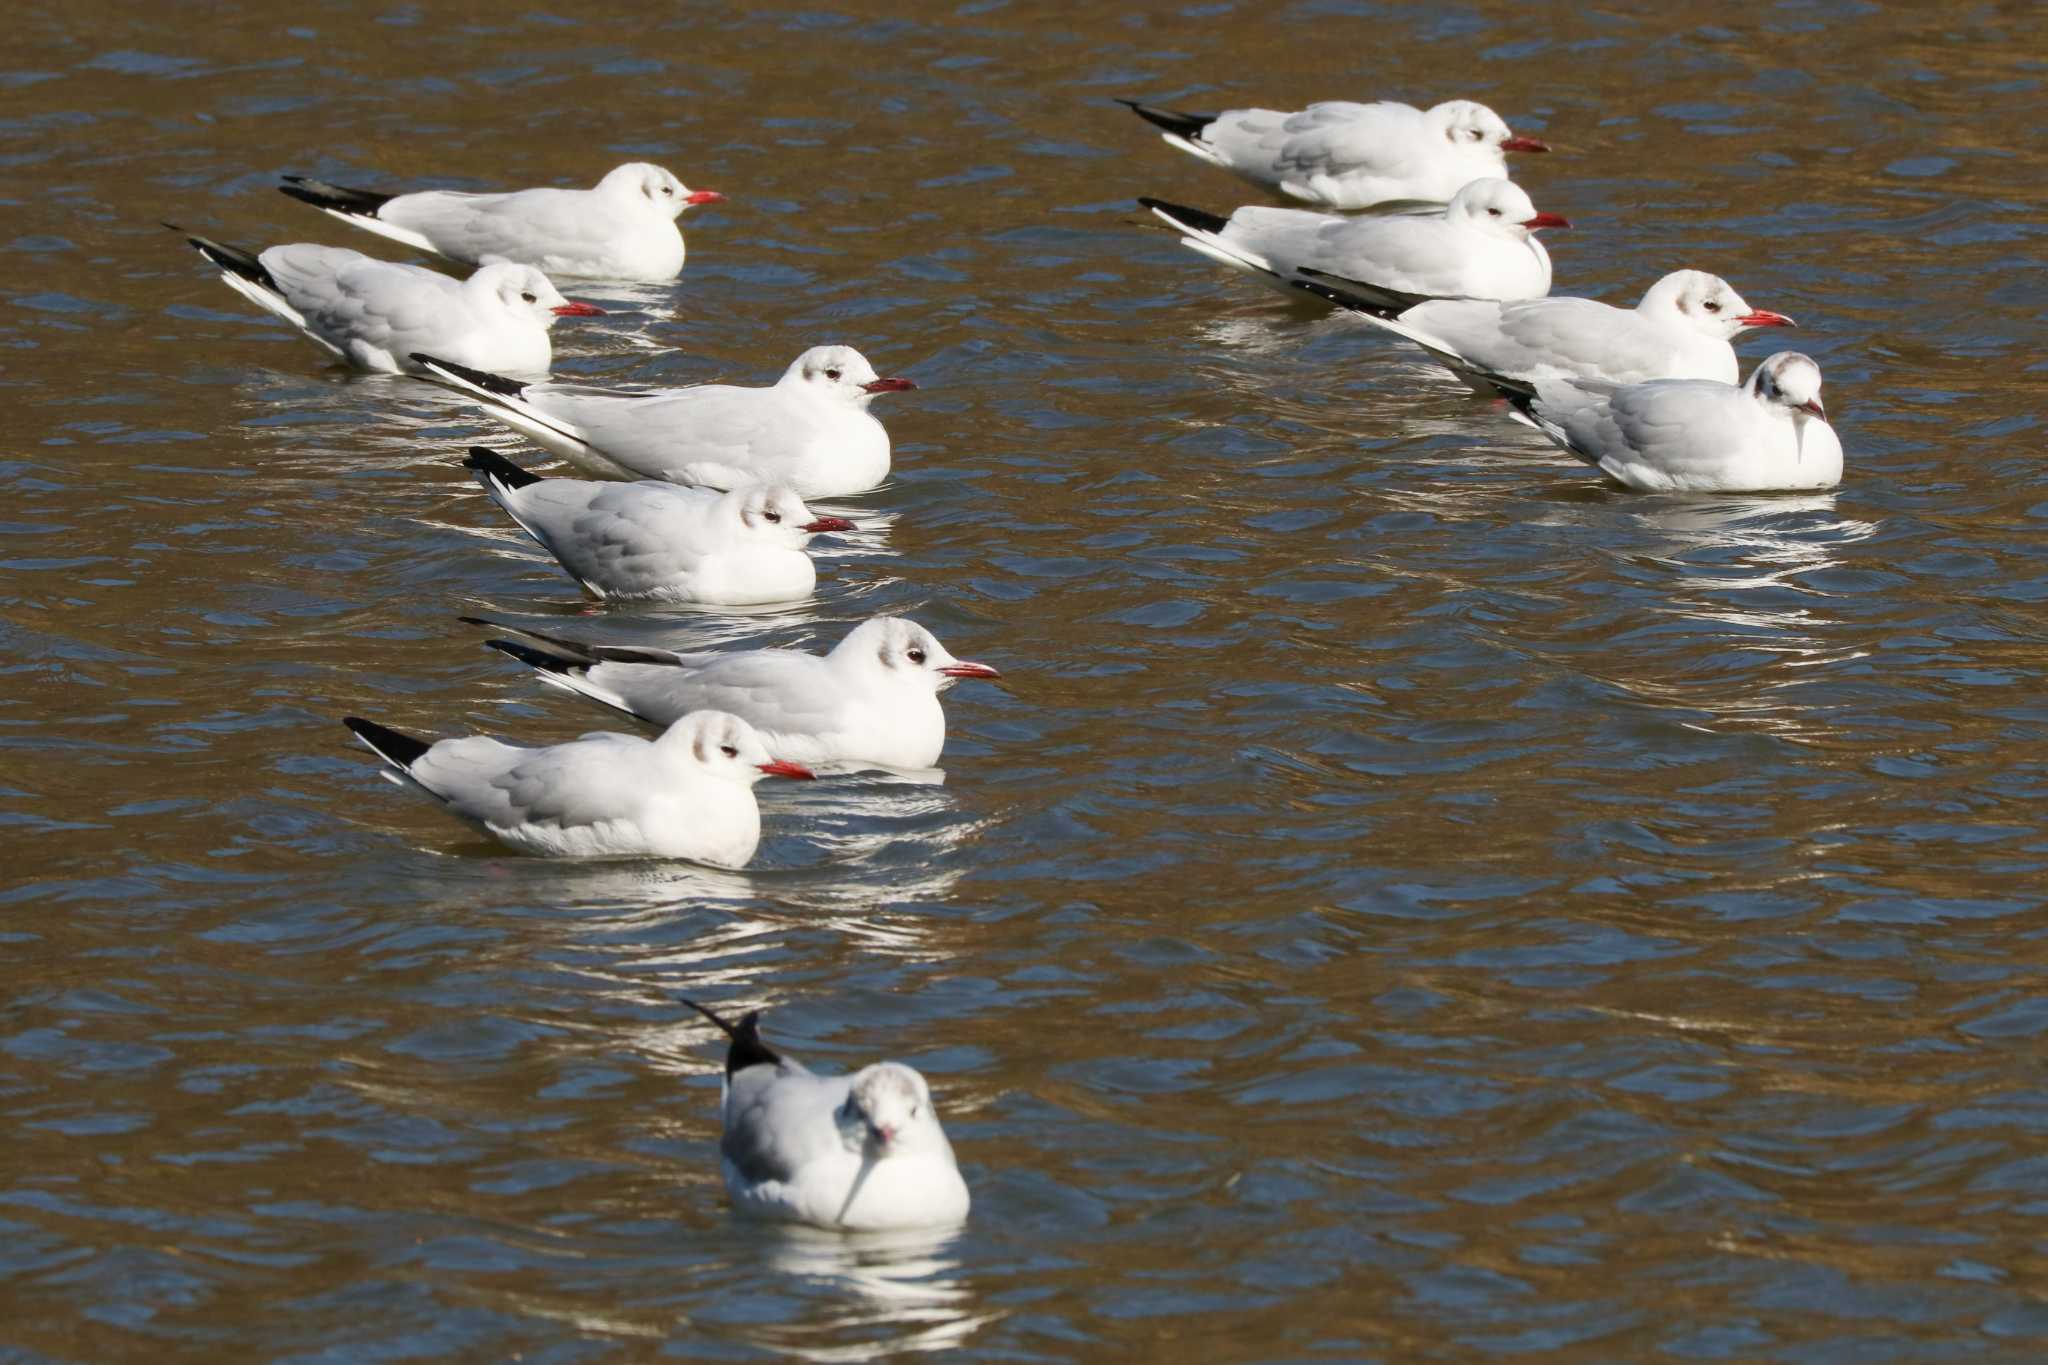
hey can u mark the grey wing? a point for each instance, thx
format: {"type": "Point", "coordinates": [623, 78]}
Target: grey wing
{"type": "Point", "coordinates": [347, 295]}
{"type": "Point", "coordinates": [1337, 137]}
{"type": "Point", "coordinates": [715, 424]}
{"type": "Point", "coordinates": [779, 1118]}
{"type": "Point", "coordinates": [777, 691]}
{"type": "Point", "coordinates": [520, 226]}
{"type": "Point", "coordinates": [1682, 427]}
{"type": "Point", "coordinates": [596, 778]}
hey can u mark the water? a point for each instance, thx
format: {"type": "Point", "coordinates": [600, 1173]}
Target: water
{"type": "Point", "coordinates": [1407, 901]}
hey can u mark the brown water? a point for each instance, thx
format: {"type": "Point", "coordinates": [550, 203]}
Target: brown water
{"type": "Point", "coordinates": [1407, 902]}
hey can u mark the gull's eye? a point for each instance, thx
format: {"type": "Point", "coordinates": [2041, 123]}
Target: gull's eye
{"type": "Point", "coordinates": [529, 296]}
{"type": "Point", "coordinates": [831, 374]}
{"type": "Point", "coordinates": [1493, 213]}
{"type": "Point", "coordinates": [1713, 306]}
{"type": "Point", "coordinates": [916, 656]}
{"type": "Point", "coordinates": [729, 750]}
{"type": "Point", "coordinates": [773, 516]}
{"type": "Point", "coordinates": [665, 189]}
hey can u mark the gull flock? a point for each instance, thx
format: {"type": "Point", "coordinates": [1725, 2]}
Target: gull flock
{"type": "Point", "coordinates": [696, 495]}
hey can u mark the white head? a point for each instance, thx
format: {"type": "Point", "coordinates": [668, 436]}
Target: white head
{"type": "Point", "coordinates": [1500, 207]}
{"type": "Point", "coordinates": [725, 747]}
{"type": "Point", "coordinates": [888, 1111]}
{"type": "Point", "coordinates": [526, 293]}
{"type": "Point", "coordinates": [903, 653]}
{"type": "Point", "coordinates": [1469, 127]}
{"type": "Point", "coordinates": [841, 373]}
{"type": "Point", "coordinates": [648, 185]}
{"type": "Point", "coordinates": [1790, 381]}
{"type": "Point", "coordinates": [771, 514]}
{"type": "Point", "coordinates": [1706, 304]}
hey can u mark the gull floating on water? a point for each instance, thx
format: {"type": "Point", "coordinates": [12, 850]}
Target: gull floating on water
{"type": "Point", "coordinates": [656, 542]}
{"type": "Point", "coordinates": [624, 229]}
{"type": "Point", "coordinates": [1337, 154]}
{"type": "Point", "coordinates": [874, 699]}
{"type": "Point", "coordinates": [863, 1152]}
{"type": "Point", "coordinates": [374, 314]}
{"type": "Point", "coordinates": [1697, 435]}
{"type": "Point", "coordinates": [1481, 245]}
{"type": "Point", "coordinates": [686, 794]}
{"type": "Point", "coordinates": [810, 429]}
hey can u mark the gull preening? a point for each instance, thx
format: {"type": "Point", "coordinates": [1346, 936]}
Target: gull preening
{"type": "Point", "coordinates": [810, 429]}
{"type": "Point", "coordinates": [873, 699]}
{"type": "Point", "coordinates": [375, 315]}
{"type": "Point", "coordinates": [624, 229]}
{"type": "Point", "coordinates": [1481, 245]}
{"type": "Point", "coordinates": [863, 1152]}
{"type": "Point", "coordinates": [649, 541]}
{"type": "Point", "coordinates": [1337, 154]}
{"type": "Point", "coordinates": [1680, 330]}
{"type": "Point", "coordinates": [686, 794]}
{"type": "Point", "coordinates": [1698, 435]}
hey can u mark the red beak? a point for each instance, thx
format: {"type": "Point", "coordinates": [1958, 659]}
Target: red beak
{"type": "Point", "coordinates": [1546, 220]}
{"type": "Point", "coordinates": [1813, 406]}
{"type": "Point", "coordinates": [828, 524]}
{"type": "Point", "coordinates": [1525, 144]}
{"type": "Point", "coordinates": [967, 669]}
{"type": "Point", "coordinates": [579, 310]}
{"type": "Point", "coordinates": [888, 385]}
{"type": "Point", "coordinates": [1764, 317]}
{"type": "Point", "coordinates": [781, 769]}
{"type": "Point", "coordinates": [703, 197]}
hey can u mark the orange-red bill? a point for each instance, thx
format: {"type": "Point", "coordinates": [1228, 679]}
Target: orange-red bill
{"type": "Point", "coordinates": [578, 309]}
{"type": "Point", "coordinates": [782, 768]}
{"type": "Point", "coordinates": [889, 385]}
{"type": "Point", "coordinates": [1525, 144]}
{"type": "Point", "coordinates": [967, 668]}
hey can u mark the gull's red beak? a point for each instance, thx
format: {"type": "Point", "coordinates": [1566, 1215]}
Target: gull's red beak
{"type": "Point", "coordinates": [1525, 144]}
{"type": "Point", "coordinates": [578, 309]}
{"type": "Point", "coordinates": [1813, 406]}
{"type": "Point", "coordinates": [828, 524]}
{"type": "Point", "coordinates": [1764, 317]}
{"type": "Point", "coordinates": [888, 385]}
{"type": "Point", "coordinates": [781, 769]}
{"type": "Point", "coordinates": [1546, 220]}
{"type": "Point", "coordinates": [703, 197]}
{"type": "Point", "coordinates": [966, 668]}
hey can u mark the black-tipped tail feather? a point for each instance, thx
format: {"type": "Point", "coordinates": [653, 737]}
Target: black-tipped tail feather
{"type": "Point", "coordinates": [1172, 120]}
{"type": "Point", "coordinates": [491, 465]}
{"type": "Point", "coordinates": [482, 379]}
{"type": "Point", "coordinates": [747, 1048]}
{"type": "Point", "coordinates": [340, 198]}
{"type": "Point", "coordinates": [233, 259]}
{"type": "Point", "coordinates": [400, 751]}
{"type": "Point", "coordinates": [539, 659]}
{"type": "Point", "coordinates": [1180, 213]}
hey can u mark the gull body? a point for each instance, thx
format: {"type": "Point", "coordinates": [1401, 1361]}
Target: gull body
{"type": "Point", "coordinates": [810, 429]}
{"type": "Point", "coordinates": [651, 541]}
{"type": "Point", "coordinates": [1337, 154]}
{"type": "Point", "coordinates": [1768, 435]}
{"type": "Point", "coordinates": [1680, 330]}
{"type": "Point", "coordinates": [686, 794]}
{"type": "Point", "coordinates": [623, 229]}
{"type": "Point", "coordinates": [1481, 245]}
{"type": "Point", "coordinates": [375, 315]}
{"type": "Point", "coordinates": [874, 699]}
{"type": "Point", "coordinates": [863, 1152]}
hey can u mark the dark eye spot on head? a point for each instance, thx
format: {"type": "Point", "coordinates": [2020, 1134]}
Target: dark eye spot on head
{"type": "Point", "coordinates": [528, 295]}
{"type": "Point", "coordinates": [1713, 305]}
{"type": "Point", "coordinates": [916, 655]}
{"type": "Point", "coordinates": [831, 374]}
{"type": "Point", "coordinates": [666, 189]}
{"type": "Point", "coordinates": [1494, 212]}
{"type": "Point", "coordinates": [729, 750]}
{"type": "Point", "coordinates": [773, 516]}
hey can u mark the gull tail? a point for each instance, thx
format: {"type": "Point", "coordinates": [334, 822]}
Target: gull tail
{"type": "Point", "coordinates": [566, 665]}
{"type": "Point", "coordinates": [1201, 231]}
{"type": "Point", "coordinates": [241, 271]}
{"type": "Point", "coordinates": [358, 208]}
{"type": "Point", "coordinates": [497, 474]}
{"type": "Point", "coordinates": [400, 751]}
{"type": "Point", "coordinates": [1360, 296]}
{"type": "Point", "coordinates": [1175, 121]}
{"type": "Point", "coordinates": [746, 1047]}
{"type": "Point", "coordinates": [506, 400]}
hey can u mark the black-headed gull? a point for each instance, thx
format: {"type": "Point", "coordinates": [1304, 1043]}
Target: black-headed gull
{"type": "Point", "coordinates": [624, 229]}
{"type": "Point", "coordinates": [1697, 435]}
{"type": "Point", "coordinates": [375, 315]}
{"type": "Point", "coordinates": [654, 542]}
{"type": "Point", "coordinates": [1482, 245]}
{"type": "Point", "coordinates": [874, 699]}
{"type": "Point", "coordinates": [810, 429]}
{"type": "Point", "coordinates": [1680, 330]}
{"type": "Point", "coordinates": [863, 1152]}
{"type": "Point", "coordinates": [1340, 155]}
{"type": "Point", "coordinates": [686, 794]}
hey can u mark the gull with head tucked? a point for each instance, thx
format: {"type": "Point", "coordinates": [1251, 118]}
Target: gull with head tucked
{"type": "Point", "coordinates": [863, 1152]}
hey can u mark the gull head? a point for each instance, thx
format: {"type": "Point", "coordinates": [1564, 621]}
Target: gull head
{"type": "Point", "coordinates": [888, 1110]}
{"type": "Point", "coordinates": [725, 747]}
{"type": "Point", "coordinates": [1468, 126]}
{"type": "Point", "coordinates": [840, 373]}
{"type": "Point", "coordinates": [904, 653]}
{"type": "Point", "coordinates": [1500, 208]}
{"type": "Point", "coordinates": [772, 513]}
{"type": "Point", "coordinates": [641, 180]}
{"type": "Point", "coordinates": [524, 291]}
{"type": "Point", "coordinates": [1790, 381]}
{"type": "Point", "coordinates": [1706, 304]}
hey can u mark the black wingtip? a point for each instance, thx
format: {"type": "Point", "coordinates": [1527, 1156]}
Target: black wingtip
{"type": "Point", "coordinates": [483, 379]}
{"type": "Point", "coordinates": [495, 467]}
{"type": "Point", "coordinates": [233, 259]}
{"type": "Point", "coordinates": [400, 750]}
{"type": "Point", "coordinates": [1181, 213]}
{"type": "Point", "coordinates": [536, 658]}
{"type": "Point", "coordinates": [746, 1047]}
{"type": "Point", "coordinates": [340, 198]}
{"type": "Point", "coordinates": [1172, 120]}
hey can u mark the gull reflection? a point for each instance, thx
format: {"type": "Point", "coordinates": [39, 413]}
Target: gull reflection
{"type": "Point", "coordinates": [891, 1292]}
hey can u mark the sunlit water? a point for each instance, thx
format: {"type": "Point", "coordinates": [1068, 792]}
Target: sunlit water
{"type": "Point", "coordinates": [1406, 901]}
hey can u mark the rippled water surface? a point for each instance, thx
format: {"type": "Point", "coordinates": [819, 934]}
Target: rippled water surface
{"type": "Point", "coordinates": [1407, 901]}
